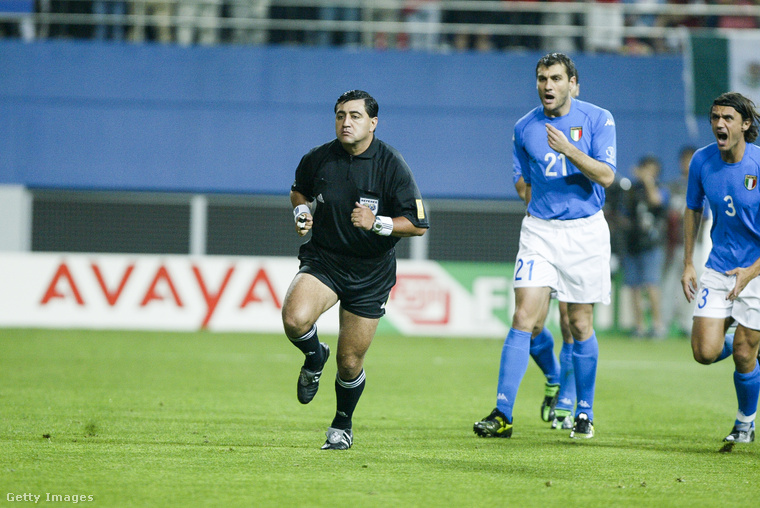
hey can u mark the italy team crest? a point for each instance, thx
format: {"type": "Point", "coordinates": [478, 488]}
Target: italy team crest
{"type": "Point", "coordinates": [576, 133]}
{"type": "Point", "coordinates": [750, 182]}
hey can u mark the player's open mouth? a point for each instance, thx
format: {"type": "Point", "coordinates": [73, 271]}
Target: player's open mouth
{"type": "Point", "coordinates": [722, 137]}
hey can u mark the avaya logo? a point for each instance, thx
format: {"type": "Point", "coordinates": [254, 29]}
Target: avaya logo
{"type": "Point", "coordinates": [64, 285]}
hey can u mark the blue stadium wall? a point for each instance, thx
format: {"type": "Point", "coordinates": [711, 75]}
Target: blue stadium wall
{"type": "Point", "coordinates": [87, 115]}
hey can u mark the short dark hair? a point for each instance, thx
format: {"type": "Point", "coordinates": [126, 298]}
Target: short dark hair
{"type": "Point", "coordinates": [745, 107]}
{"type": "Point", "coordinates": [558, 58]}
{"type": "Point", "coordinates": [370, 104]}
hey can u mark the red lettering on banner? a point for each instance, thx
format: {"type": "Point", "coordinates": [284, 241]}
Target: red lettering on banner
{"type": "Point", "coordinates": [211, 299]}
{"type": "Point", "coordinates": [52, 290]}
{"type": "Point", "coordinates": [112, 297]}
{"type": "Point", "coordinates": [161, 275]}
{"type": "Point", "coordinates": [250, 296]}
{"type": "Point", "coordinates": [422, 299]}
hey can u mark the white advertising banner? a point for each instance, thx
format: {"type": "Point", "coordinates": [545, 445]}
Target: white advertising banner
{"type": "Point", "coordinates": [236, 294]}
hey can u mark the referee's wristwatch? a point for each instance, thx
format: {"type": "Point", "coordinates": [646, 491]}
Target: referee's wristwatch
{"type": "Point", "coordinates": [383, 225]}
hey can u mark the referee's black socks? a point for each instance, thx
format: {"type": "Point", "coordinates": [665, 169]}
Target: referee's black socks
{"type": "Point", "coordinates": [347, 395]}
{"type": "Point", "coordinates": [309, 346]}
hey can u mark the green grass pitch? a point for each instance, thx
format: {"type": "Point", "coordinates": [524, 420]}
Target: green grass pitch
{"type": "Point", "coordinates": [203, 419]}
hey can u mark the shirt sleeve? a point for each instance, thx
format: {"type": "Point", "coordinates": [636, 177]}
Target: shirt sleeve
{"type": "Point", "coordinates": [695, 193]}
{"type": "Point", "coordinates": [520, 164]}
{"type": "Point", "coordinates": [304, 182]}
{"type": "Point", "coordinates": [604, 139]}
{"type": "Point", "coordinates": [407, 200]}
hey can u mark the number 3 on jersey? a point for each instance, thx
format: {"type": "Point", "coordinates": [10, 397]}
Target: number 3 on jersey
{"type": "Point", "coordinates": [552, 159]}
{"type": "Point", "coordinates": [528, 268]}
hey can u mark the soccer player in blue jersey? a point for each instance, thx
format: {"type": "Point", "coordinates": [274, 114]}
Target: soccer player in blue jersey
{"type": "Point", "coordinates": [559, 389]}
{"type": "Point", "coordinates": [726, 173]}
{"type": "Point", "coordinates": [565, 149]}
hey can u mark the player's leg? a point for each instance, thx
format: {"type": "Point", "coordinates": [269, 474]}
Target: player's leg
{"type": "Point", "coordinates": [355, 336]}
{"type": "Point", "coordinates": [530, 303]}
{"type": "Point", "coordinates": [563, 411]}
{"type": "Point", "coordinates": [542, 352]}
{"type": "Point", "coordinates": [307, 298]}
{"type": "Point", "coordinates": [585, 360]}
{"type": "Point", "coordinates": [746, 383]}
{"type": "Point", "coordinates": [709, 342]}
{"type": "Point", "coordinates": [712, 318]}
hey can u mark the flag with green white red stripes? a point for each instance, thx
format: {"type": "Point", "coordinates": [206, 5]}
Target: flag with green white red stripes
{"type": "Point", "coordinates": [724, 61]}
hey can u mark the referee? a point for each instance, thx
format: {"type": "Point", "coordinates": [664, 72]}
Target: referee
{"type": "Point", "coordinates": [357, 196]}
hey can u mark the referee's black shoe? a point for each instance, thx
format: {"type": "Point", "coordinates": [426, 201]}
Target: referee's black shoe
{"type": "Point", "coordinates": [308, 380]}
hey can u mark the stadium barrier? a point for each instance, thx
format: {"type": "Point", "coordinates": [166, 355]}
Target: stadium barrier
{"type": "Point", "coordinates": [241, 294]}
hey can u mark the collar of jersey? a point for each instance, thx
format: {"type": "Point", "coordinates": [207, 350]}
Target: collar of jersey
{"type": "Point", "coordinates": [366, 154]}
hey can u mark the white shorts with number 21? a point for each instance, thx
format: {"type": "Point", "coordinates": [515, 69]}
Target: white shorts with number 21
{"type": "Point", "coordinates": [570, 256]}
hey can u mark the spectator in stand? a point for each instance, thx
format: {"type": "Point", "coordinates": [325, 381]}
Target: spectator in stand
{"type": "Point", "coordinates": [109, 29]}
{"type": "Point", "coordinates": [18, 19]}
{"type": "Point", "coordinates": [160, 26]}
{"type": "Point", "coordinates": [604, 23]}
{"type": "Point", "coordinates": [480, 40]}
{"type": "Point", "coordinates": [201, 24]}
{"type": "Point", "coordinates": [644, 45]}
{"type": "Point", "coordinates": [685, 20]}
{"type": "Point", "coordinates": [561, 43]}
{"type": "Point", "coordinates": [288, 12]}
{"type": "Point", "coordinates": [336, 12]}
{"type": "Point", "coordinates": [518, 18]}
{"type": "Point", "coordinates": [249, 9]}
{"type": "Point", "coordinates": [386, 40]}
{"type": "Point", "coordinates": [675, 43]}
{"type": "Point", "coordinates": [733, 22]}
{"type": "Point", "coordinates": [645, 208]}
{"type": "Point", "coordinates": [426, 14]}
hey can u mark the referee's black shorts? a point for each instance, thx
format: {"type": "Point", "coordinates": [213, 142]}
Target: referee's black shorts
{"type": "Point", "coordinates": [362, 285]}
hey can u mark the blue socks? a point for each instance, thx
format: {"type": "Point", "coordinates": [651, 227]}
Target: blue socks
{"type": "Point", "coordinates": [585, 358]}
{"type": "Point", "coordinates": [566, 398]}
{"type": "Point", "coordinates": [515, 355]}
{"type": "Point", "coordinates": [728, 348]}
{"type": "Point", "coordinates": [542, 351]}
{"type": "Point", "coordinates": [747, 391]}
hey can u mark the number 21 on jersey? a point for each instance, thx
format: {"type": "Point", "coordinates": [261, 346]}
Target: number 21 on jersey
{"type": "Point", "coordinates": [552, 159]}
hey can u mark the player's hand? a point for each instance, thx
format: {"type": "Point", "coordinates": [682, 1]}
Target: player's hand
{"type": "Point", "coordinates": [689, 283]}
{"type": "Point", "coordinates": [362, 217]}
{"type": "Point", "coordinates": [557, 139]}
{"type": "Point", "coordinates": [304, 222]}
{"type": "Point", "coordinates": [743, 276]}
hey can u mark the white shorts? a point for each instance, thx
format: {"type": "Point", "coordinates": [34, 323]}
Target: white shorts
{"type": "Point", "coordinates": [711, 299]}
{"type": "Point", "coordinates": [572, 257]}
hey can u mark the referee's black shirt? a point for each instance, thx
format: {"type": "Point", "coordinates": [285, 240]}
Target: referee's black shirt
{"type": "Point", "coordinates": [336, 180]}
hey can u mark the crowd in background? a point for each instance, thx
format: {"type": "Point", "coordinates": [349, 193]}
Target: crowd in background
{"type": "Point", "coordinates": [211, 22]}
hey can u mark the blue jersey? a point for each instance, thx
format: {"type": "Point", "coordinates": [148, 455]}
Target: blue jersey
{"type": "Point", "coordinates": [558, 189]}
{"type": "Point", "coordinates": [732, 193]}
